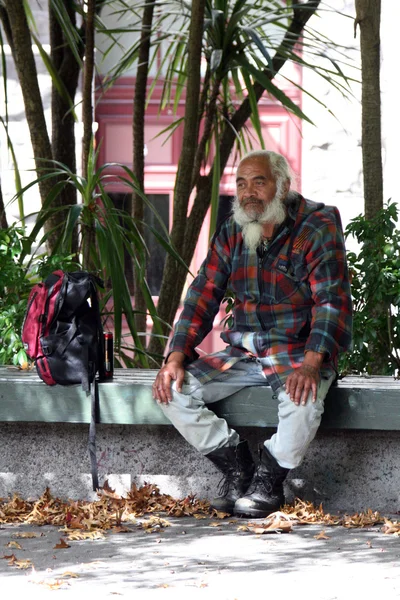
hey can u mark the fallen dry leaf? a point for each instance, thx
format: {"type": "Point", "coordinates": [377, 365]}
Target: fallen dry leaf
{"type": "Point", "coordinates": [279, 528]}
{"type": "Point", "coordinates": [391, 527]}
{"type": "Point", "coordinates": [85, 535]}
{"type": "Point", "coordinates": [70, 574]}
{"type": "Point", "coordinates": [76, 524]}
{"type": "Point", "coordinates": [220, 514]}
{"type": "Point", "coordinates": [10, 557]}
{"type": "Point", "coordinates": [154, 524]}
{"type": "Point", "coordinates": [53, 584]}
{"type": "Point", "coordinates": [57, 584]}
{"type": "Point", "coordinates": [106, 490]}
{"type": "Point", "coordinates": [22, 564]}
{"type": "Point", "coordinates": [214, 524]}
{"type": "Point", "coordinates": [27, 535]}
{"type": "Point", "coordinates": [258, 530]}
{"type": "Point", "coordinates": [14, 545]}
{"type": "Point", "coordinates": [63, 544]}
{"type": "Point", "coordinates": [322, 536]}
{"type": "Point", "coordinates": [277, 522]}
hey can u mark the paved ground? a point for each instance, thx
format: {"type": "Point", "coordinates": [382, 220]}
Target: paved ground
{"type": "Point", "coordinates": [192, 558]}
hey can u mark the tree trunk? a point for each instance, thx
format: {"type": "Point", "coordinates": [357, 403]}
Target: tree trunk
{"type": "Point", "coordinates": [174, 276]}
{"type": "Point", "coordinates": [88, 233]}
{"type": "Point", "coordinates": [87, 91]}
{"type": "Point", "coordinates": [63, 124]}
{"type": "Point", "coordinates": [139, 108]}
{"type": "Point", "coordinates": [21, 45]}
{"type": "Point", "coordinates": [183, 182]}
{"type": "Point", "coordinates": [368, 18]}
{"type": "Point", "coordinates": [184, 177]}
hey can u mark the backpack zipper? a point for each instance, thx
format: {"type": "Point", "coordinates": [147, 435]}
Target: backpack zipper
{"type": "Point", "coordinates": [28, 308]}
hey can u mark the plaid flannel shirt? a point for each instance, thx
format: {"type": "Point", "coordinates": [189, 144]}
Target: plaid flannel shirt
{"type": "Point", "coordinates": [292, 297]}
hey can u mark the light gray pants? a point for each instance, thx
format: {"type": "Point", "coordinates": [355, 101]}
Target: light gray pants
{"type": "Point", "coordinates": [205, 431]}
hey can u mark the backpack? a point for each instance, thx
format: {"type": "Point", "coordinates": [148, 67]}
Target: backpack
{"type": "Point", "coordinates": [63, 334]}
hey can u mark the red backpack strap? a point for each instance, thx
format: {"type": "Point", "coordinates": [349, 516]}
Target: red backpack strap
{"type": "Point", "coordinates": [54, 284]}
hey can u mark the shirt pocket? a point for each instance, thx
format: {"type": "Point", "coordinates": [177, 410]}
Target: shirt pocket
{"type": "Point", "coordinates": [289, 287]}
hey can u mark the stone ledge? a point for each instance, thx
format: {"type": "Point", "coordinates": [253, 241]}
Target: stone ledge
{"type": "Point", "coordinates": [354, 403]}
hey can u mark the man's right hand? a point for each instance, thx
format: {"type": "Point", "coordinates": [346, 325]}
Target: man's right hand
{"type": "Point", "coordinates": [172, 371]}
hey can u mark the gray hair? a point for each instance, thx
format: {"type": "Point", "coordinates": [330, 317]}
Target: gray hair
{"type": "Point", "coordinates": [280, 168]}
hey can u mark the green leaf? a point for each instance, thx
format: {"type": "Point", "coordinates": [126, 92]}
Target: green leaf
{"type": "Point", "coordinates": [69, 31]}
{"type": "Point", "coordinates": [255, 117]}
{"type": "Point", "coordinates": [216, 59]}
{"type": "Point", "coordinates": [216, 178]}
{"type": "Point", "coordinates": [252, 33]}
{"type": "Point", "coordinates": [56, 79]}
{"type": "Point", "coordinates": [270, 87]}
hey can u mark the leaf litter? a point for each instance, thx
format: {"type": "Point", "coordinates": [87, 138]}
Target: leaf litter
{"type": "Point", "coordinates": [83, 520]}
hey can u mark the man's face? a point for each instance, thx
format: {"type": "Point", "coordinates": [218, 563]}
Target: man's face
{"type": "Point", "coordinates": [255, 185]}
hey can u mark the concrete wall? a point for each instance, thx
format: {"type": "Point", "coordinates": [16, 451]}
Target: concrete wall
{"type": "Point", "coordinates": [345, 470]}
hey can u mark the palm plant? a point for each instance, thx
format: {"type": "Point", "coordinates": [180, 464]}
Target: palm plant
{"type": "Point", "coordinates": [103, 233]}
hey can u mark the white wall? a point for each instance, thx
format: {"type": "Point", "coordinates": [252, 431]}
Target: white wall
{"type": "Point", "coordinates": [390, 98]}
{"type": "Point", "coordinates": [332, 161]}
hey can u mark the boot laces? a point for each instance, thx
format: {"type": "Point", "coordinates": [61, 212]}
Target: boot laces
{"type": "Point", "coordinates": [225, 484]}
{"type": "Point", "coordinates": [259, 481]}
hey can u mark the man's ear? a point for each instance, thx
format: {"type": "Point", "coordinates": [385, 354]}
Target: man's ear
{"type": "Point", "coordinates": [286, 187]}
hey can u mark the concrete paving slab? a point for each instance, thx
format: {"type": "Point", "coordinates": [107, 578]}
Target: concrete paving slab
{"type": "Point", "coordinates": [192, 558]}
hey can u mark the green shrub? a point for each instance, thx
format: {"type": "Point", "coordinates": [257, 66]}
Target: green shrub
{"type": "Point", "coordinates": [375, 282]}
{"type": "Point", "coordinates": [16, 280]}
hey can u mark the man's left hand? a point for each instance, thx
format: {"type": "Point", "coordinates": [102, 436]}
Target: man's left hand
{"type": "Point", "coordinates": [305, 379]}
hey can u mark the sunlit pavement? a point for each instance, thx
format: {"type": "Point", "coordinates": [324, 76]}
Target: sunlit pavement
{"type": "Point", "coordinates": [205, 558]}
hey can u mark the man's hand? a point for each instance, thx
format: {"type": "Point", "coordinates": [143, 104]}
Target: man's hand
{"type": "Point", "coordinates": [305, 379]}
{"type": "Point", "coordinates": [172, 371]}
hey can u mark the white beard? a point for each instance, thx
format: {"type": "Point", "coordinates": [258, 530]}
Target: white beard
{"type": "Point", "coordinates": [252, 223]}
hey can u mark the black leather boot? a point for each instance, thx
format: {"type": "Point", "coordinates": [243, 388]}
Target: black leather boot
{"type": "Point", "coordinates": [265, 493]}
{"type": "Point", "coordinates": [237, 465]}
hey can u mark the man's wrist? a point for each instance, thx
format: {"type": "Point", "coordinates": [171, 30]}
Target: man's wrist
{"type": "Point", "coordinates": [313, 359]}
{"type": "Point", "coordinates": [177, 357]}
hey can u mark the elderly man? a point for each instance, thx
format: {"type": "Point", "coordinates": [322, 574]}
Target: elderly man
{"type": "Point", "coordinates": [283, 259]}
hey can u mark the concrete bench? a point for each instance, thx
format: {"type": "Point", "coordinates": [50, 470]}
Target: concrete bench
{"type": "Point", "coordinates": [353, 403]}
{"type": "Point", "coordinates": [357, 409]}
